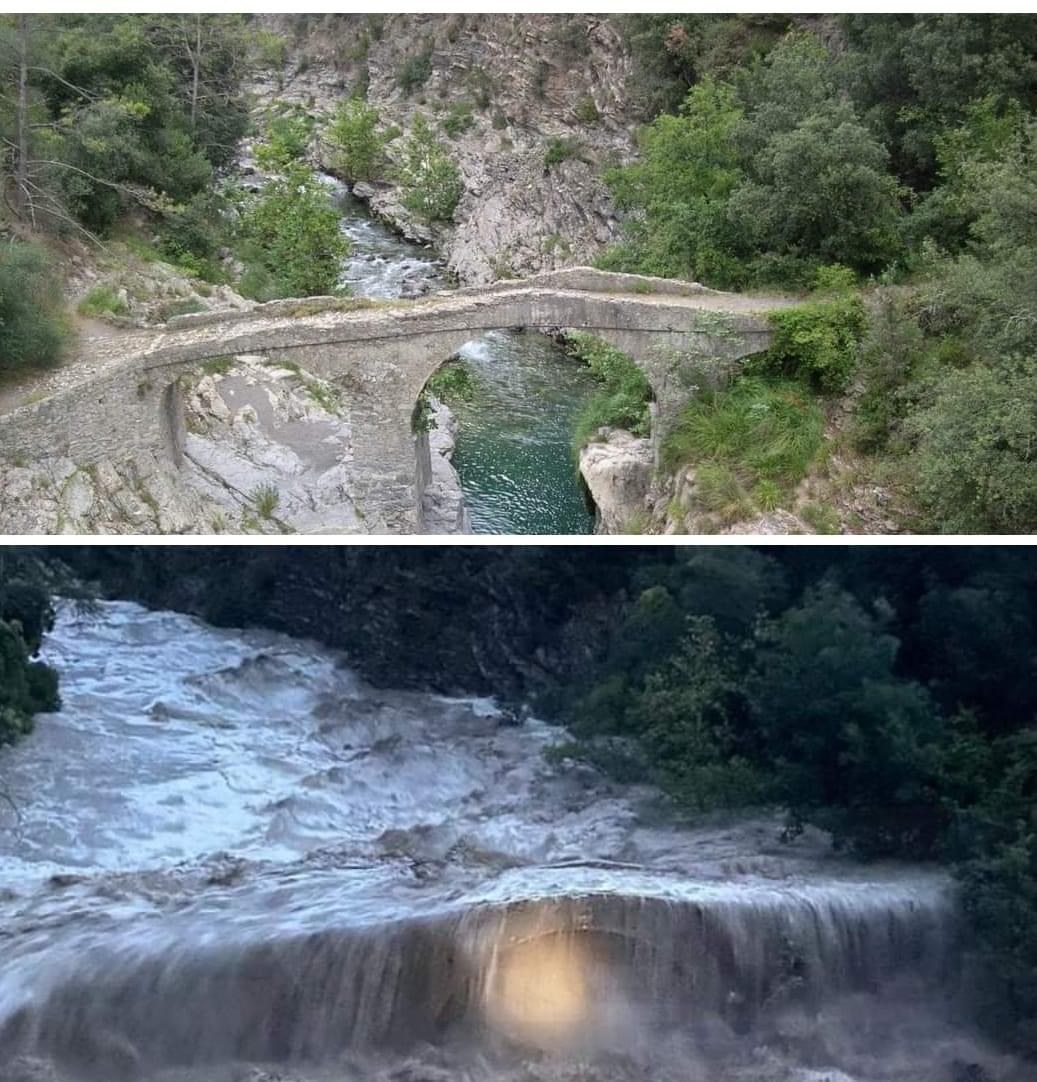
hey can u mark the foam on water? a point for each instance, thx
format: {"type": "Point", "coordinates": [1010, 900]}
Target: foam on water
{"type": "Point", "coordinates": [229, 849]}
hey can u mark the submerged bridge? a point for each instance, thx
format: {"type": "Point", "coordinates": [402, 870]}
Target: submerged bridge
{"type": "Point", "coordinates": [123, 395]}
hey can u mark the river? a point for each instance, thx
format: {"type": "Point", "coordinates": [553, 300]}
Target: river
{"type": "Point", "coordinates": [514, 444]}
{"type": "Point", "coordinates": [228, 858]}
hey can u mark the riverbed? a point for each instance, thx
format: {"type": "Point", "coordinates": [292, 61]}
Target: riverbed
{"type": "Point", "coordinates": [228, 857]}
{"type": "Point", "coordinates": [514, 453]}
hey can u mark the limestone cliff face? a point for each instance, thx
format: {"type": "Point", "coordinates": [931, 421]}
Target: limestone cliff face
{"type": "Point", "coordinates": [529, 81]}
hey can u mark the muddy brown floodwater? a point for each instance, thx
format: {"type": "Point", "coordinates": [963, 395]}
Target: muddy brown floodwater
{"type": "Point", "coordinates": [232, 859]}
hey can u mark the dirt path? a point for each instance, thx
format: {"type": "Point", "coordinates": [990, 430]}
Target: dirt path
{"type": "Point", "coordinates": [86, 332]}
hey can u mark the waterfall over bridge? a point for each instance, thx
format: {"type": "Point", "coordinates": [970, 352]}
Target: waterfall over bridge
{"type": "Point", "coordinates": [123, 396]}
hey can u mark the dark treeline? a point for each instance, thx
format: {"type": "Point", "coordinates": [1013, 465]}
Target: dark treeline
{"type": "Point", "coordinates": [887, 695]}
{"type": "Point", "coordinates": [27, 686]}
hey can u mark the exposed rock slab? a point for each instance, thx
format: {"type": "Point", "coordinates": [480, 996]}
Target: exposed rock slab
{"type": "Point", "coordinates": [617, 469]}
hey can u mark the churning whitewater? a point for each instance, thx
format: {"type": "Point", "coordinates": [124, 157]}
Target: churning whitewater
{"type": "Point", "coordinates": [229, 858]}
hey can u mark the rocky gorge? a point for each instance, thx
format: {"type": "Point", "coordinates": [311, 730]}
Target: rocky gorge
{"type": "Point", "coordinates": [523, 84]}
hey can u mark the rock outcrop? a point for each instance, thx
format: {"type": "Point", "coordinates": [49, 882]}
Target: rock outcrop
{"type": "Point", "coordinates": [617, 469]}
{"type": "Point", "coordinates": [536, 107]}
{"type": "Point", "coordinates": [443, 506]}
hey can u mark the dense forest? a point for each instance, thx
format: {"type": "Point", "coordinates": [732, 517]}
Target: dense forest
{"type": "Point", "coordinates": [901, 150]}
{"type": "Point", "coordinates": [884, 163]}
{"type": "Point", "coordinates": [888, 696]}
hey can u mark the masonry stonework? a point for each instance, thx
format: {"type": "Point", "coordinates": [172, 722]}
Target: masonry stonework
{"type": "Point", "coordinates": [123, 397]}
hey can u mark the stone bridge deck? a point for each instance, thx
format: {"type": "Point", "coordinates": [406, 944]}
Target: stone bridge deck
{"type": "Point", "coordinates": [121, 395]}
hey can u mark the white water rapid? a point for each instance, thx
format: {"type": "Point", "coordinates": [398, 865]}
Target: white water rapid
{"type": "Point", "coordinates": [227, 858]}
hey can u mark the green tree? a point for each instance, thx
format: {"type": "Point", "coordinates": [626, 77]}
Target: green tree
{"type": "Point", "coordinates": [778, 92]}
{"type": "Point", "coordinates": [112, 109]}
{"type": "Point", "coordinates": [286, 140]}
{"type": "Point", "coordinates": [291, 240]}
{"type": "Point", "coordinates": [430, 179]}
{"type": "Point", "coordinates": [27, 687]}
{"type": "Point", "coordinates": [357, 145]}
{"type": "Point", "coordinates": [975, 460]}
{"type": "Point", "coordinates": [690, 723]}
{"type": "Point", "coordinates": [998, 879]}
{"type": "Point", "coordinates": [678, 192]}
{"type": "Point", "coordinates": [915, 76]}
{"type": "Point", "coordinates": [33, 327]}
{"type": "Point", "coordinates": [852, 741]}
{"type": "Point", "coordinates": [820, 193]}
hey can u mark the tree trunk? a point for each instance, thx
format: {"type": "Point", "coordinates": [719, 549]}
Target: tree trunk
{"type": "Point", "coordinates": [196, 63]}
{"type": "Point", "coordinates": [20, 196]}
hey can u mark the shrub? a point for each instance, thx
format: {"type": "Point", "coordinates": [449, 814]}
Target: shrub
{"type": "Point", "coordinates": [458, 120]}
{"type": "Point", "coordinates": [358, 149]}
{"type": "Point", "coordinates": [975, 464]}
{"type": "Point", "coordinates": [586, 111]}
{"type": "Point", "coordinates": [290, 237]}
{"type": "Point", "coordinates": [193, 233]}
{"type": "Point", "coordinates": [269, 49]}
{"type": "Point", "coordinates": [26, 687]}
{"type": "Point", "coordinates": [890, 359]}
{"type": "Point", "coordinates": [624, 397]}
{"type": "Point", "coordinates": [33, 327]}
{"type": "Point", "coordinates": [562, 150]}
{"type": "Point", "coordinates": [287, 140]}
{"type": "Point", "coordinates": [103, 300]}
{"type": "Point", "coordinates": [817, 342]}
{"type": "Point", "coordinates": [430, 179]}
{"type": "Point", "coordinates": [452, 382]}
{"type": "Point", "coordinates": [415, 71]}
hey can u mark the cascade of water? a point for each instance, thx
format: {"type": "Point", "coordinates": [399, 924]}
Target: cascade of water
{"type": "Point", "coordinates": [231, 850]}
{"type": "Point", "coordinates": [573, 971]}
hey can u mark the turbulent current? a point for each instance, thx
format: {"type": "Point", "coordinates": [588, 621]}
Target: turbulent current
{"type": "Point", "coordinates": [229, 858]}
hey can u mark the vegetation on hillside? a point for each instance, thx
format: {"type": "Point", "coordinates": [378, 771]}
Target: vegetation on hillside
{"type": "Point", "coordinates": [429, 178]}
{"type": "Point", "coordinates": [32, 320]}
{"type": "Point", "coordinates": [887, 700]}
{"type": "Point", "coordinates": [900, 147]}
{"type": "Point", "coordinates": [27, 686]}
{"type": "Point", "coordinates": [625, 392]}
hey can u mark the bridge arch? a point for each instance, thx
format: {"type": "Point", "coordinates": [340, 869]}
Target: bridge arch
{"type": "Point", "coordinates": [122, 398]}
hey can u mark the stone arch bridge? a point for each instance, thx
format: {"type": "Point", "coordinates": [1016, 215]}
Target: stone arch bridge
{"type": "Point", "coordinates": [123, 395]}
